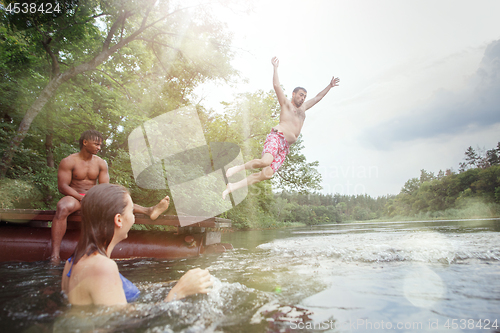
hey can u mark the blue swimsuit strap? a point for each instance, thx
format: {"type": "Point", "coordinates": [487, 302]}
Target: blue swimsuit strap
{"type": "Point", "coordinates": [69, 273]}
{"type": "Point", "coordinates": [131, 291]}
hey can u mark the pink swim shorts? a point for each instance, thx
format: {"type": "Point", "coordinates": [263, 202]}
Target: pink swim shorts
{"type": "Point", "coordinates": [277, 146]}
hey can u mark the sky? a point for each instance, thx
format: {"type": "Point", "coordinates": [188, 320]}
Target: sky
{"type": "Point", "coordinates": [419, 82]}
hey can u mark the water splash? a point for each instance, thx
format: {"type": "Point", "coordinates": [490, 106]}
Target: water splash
{"type": "Point", "coordinates": [424, 246]}
{"type": "Point", "coordinates": [226, 302]}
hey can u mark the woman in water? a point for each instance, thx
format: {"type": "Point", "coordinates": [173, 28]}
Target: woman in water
{"type": "Point", "coordinates": [90, 276]}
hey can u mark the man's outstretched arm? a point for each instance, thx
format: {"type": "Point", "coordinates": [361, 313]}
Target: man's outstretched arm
{"type": "Point", "coordinates": [310, 103]}
{"type": "Point", "coordinates": [276, 82]}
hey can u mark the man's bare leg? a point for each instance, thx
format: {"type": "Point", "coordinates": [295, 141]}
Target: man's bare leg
{"type": "Point", "coordinates": [65, 207]}
{"type": "Point", "coordinates": [155, 211]}
{"type": "Point", "coordinates": [265, 174]}
{"type": "Point", "coordinates": [258, 163]}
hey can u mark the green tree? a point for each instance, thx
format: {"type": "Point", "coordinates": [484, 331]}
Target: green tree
{"type": "Point", "coordinates": [411, 186]}
{"type": "Point", "coordinates": [426, 176]}
{"type": "Point", "coordinates": [493, 156]}
{"type": "Point", "coordinates": [448, 193]}
{"type": "Point", "coordinates": [296, 174]}
{"type": "Point", "coordinates": [99, 36]}
{"type": "Point", "coordinates": [471, 159]}
{"type": "Point", "coordinates": [157, 71]}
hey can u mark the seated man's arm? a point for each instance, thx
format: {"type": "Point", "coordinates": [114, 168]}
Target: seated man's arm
{"type": "Point", "coordinates": [103, 172]}
{"type": "Point", "coordinates": [310, 103]}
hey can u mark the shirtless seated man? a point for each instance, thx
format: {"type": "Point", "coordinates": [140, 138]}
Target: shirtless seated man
{"type": "Point", "coordinates": [276, 147]}
{"type": "Point", "coordinates": [77, 173]}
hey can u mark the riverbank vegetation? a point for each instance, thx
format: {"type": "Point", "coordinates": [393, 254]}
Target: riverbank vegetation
{"type": "Point", "coordinates": [473, 192]}
{"type": "Point", "coordinates": [113, 65]}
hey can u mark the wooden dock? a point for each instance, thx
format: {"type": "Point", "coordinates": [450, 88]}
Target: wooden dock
{"type": "Point", "coordinates": [41, 218]}
{"type": "Point", "coordinates": [25, 235]}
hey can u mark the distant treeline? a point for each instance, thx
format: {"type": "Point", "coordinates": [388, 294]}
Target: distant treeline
{"type": "Point", "coordinates": [472, 192]}
{"type": "Point", "coordinates": [64, 74]}
{"type": "Point", "coordinates": [320, 208]}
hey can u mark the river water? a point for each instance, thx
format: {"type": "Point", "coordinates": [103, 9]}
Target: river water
{"type": "Point", "coordinates": [427, 276]}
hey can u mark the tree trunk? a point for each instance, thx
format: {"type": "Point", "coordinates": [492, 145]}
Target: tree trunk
{"type": "Point", "coordinates": [49, 147]}
{"type": "Point", "coordinates": [59, 79]}
{"type": "Point", "coordinates": [44, 97]}
{"type": "Point", "coordinates": [30, 115]}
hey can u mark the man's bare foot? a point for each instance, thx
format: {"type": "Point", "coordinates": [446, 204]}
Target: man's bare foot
{"type": "Point", "coordinates": [231, 171]}
{"type": "Point", "coordinates": [159, 208]}
{"type": "Point", "coordinates": [226, 191]}
{"type": "Point", "coordinates": [55, 260]}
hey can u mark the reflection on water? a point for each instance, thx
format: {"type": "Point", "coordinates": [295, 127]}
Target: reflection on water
{"type": "Point", "coordinates": [395, 276]}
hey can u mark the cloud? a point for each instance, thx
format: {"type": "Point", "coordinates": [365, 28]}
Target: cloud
{"type": "Point", "coordinates": [447, 112]}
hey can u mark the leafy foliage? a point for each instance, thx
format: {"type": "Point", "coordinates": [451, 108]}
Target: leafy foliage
{"type": "Point", "coordinates": [480, 159]}
{"type": "Point", "coordinates": [478, 182]}
{"type": "Point", "coordinates": [318, 208]}
{"type": "Point", "coordinates": [106, 65]}
{"type": "Point", "coordinates": [110, 66]}
{"type": "Point", "coordinates": [148, 74]}
{"type": "Point", "coordinates": [296, 174]}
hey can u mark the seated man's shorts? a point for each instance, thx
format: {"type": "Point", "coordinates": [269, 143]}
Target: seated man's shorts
{"type": "Point", "coordinates": [277, 146]}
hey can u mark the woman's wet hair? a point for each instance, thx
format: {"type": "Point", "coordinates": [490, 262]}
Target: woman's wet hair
{"type": "Point", "coordinates": [99, 207]}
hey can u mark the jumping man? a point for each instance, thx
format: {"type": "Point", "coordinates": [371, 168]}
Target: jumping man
{"type": "Point", "coordinates": [276, 147]}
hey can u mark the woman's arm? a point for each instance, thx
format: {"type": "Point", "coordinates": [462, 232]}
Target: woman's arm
{"type": "Point", "coordinates": [195, 281]}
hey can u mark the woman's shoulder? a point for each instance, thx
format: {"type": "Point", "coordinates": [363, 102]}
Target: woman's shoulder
{"type": "Point", "coordinates": [101, 265]}
{"type": "Point", "coordinates": [96, 280]}
{"type": "Point", "coordinates": [95, 267]}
